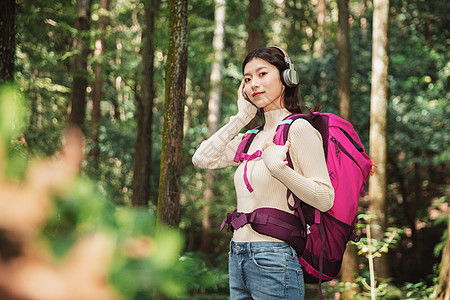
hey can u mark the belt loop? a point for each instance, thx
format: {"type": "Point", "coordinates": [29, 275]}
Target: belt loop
{"type": "Point", "coordinates": [249, 249]}
{"type": "Point", "coordinates": [294, 253]}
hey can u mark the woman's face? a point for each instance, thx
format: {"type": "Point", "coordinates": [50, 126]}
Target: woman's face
{"type": "Point", "coordinates": [263, 84]}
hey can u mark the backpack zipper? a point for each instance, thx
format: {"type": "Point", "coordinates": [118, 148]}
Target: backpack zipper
{"type": "Point", "coordinates": [340, 147]}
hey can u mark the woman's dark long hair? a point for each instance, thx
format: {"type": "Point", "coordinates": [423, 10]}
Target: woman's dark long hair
{"type": "Point", "coordinates": [275, 56]}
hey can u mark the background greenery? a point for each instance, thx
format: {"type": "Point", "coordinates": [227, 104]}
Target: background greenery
{"type": "Point", "coordinates": [418, 133]}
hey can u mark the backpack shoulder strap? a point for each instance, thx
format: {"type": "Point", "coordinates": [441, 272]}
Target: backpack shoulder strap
{"type": "Point", "coordinates": [320, 121]}
{"type": "Point", "coordinates": [283, 128]}
{"type": "Point", "coordinates": [245, 143]}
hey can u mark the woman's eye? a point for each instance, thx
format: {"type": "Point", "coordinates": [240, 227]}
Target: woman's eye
{"type": "Point", "coordinates": [262, 74]}
{"type": "Point", "coordinates": [246, 79]}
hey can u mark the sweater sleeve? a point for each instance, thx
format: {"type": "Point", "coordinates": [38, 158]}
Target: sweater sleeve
{"type": "Point", "coordinates": [309, 180]}
{"type": "Point", "coordinates": [219, 150]}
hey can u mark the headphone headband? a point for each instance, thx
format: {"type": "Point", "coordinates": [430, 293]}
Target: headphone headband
{"type": "Point", "coordinates": [282, 51]}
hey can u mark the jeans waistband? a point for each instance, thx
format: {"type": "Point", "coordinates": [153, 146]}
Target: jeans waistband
{"type": "Point", "coordinates": [253, 247]}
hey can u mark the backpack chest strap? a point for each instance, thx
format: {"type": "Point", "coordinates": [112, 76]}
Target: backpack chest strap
{"type": "Point", "coordinates": [247, 158]}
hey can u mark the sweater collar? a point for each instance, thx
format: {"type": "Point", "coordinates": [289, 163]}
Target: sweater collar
{"type": "Point", "coordinates": [274, 117]}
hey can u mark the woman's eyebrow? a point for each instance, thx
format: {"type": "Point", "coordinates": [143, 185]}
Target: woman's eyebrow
{"type": "Point", "coordinates": [257, 70]}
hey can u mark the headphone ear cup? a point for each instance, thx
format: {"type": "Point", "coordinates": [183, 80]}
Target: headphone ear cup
{"type": "Point", "coordinates": [287, 79]}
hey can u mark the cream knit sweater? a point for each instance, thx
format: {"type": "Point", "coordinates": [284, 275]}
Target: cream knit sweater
{"type": "Point", "coordinates": [269, 175]}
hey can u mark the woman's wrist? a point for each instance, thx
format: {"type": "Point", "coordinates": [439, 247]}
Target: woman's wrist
{"type": "Point", "coordinates": [245, 116]}
{"type": "Point", "coordinates": [246, 110]}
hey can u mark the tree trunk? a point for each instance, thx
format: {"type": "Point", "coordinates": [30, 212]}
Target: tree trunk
{"type": "Point", "coordinates": [175, 94]}
{"type": "Point", "coordinates": [79, 63]}
{"type": "Point", "coordinates": [143, 150]}
{"type": "Point", "coordinates": [7, 39]}
{"type": "Point", "coordinates": [253, 28]}
{"type": "Point", "coordinates": [97, 91]}
{"type": "Point", "coordinates": [205, 246]}
{"type": "Point", "coordinates": [344, 59]}
{"type": "Point", "coordinates": [444, 273]}
{"type": "Point", "coordinates": [254, 37]}
{"type": "Point", "coordinates": [321, 11]}
{"type": "Point", "coordinates": [349, 270]}
{"type": "Point", "coordinates": [215, 98]}
{"type": "Point", "coordinates": [378, 126]}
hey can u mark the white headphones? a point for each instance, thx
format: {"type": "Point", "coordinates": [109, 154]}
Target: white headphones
{"type": "Point", "coordinates": [289, 77]}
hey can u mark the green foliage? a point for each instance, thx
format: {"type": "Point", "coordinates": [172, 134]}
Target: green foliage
{"type": "Point", "coordinates": [144, 258]}
{"type": "Point", "coordinates": [41, 70]}
{"type": "Point", "coordinates": [377, 248]}
{"type": "Point", "coordinates": [442, 220]}
{"type": "Point", "coordinates": [114, 171]}
{"type": "Point", "coordinates": [203, 279]}
{"type": "Point", "coordinates": [12, 123]}
{"type": "Point", "coordinates": [419, 86]}
{"type": "Point", "coordinates": [419, 290]}
{"type": "Point", "coordinates": [418, 132]}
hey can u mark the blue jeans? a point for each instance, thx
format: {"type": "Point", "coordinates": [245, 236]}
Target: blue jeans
{"type": "Point", "coordinates": [265, 270]}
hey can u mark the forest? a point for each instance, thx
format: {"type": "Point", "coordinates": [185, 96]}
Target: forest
{"type": "Point", "coordinates": [104, 102]}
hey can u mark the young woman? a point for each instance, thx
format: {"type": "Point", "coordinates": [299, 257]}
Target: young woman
{"type": "Point", "coordinates": [260, 266]}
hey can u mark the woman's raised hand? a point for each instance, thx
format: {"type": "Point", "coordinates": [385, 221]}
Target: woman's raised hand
{"type": "Point", "coordinates": [274, 156]}
{"type": "Point", "coordinates": [246, 109]}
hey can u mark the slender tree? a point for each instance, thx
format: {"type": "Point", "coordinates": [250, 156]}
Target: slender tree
{"type": "Point", "coordinates": [344, 61]}
{"type": "Point", "coordinates": [143, 149]}
{"type": "Point", "coordinates": [378, 126]}
{"type": "Point", "coordinates": [254, 37]}
{"type": "Point", "coordinates": [215, 98]}
{"type": "Point", "coordinates": [97, 91]}
{"type": "Point", "coordinates": [254, 31]}
{"type": "Point", "coordinates": [79, 63]}
{"type": "Point", "coordinates": [349, 271]}
{"type": "Point", "coordinates": [321, 11]}
{"type": "Point", "coordinates": [7, 39]}
{"type": "Point", "coordinates": [350, 260]}
{"type": "Point", "coordinates": [443, 291]}
{"type": "Point", "coordinates": [175, 94]}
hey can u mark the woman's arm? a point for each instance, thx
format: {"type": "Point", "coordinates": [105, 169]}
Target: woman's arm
{"type": "Point", "coordinates": [309, 180]}
{"type": "Point", "coordinates": [219, 150]}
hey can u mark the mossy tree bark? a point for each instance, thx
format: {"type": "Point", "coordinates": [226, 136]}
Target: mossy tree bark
{"type": "Point", "coordinates": [175, 94]}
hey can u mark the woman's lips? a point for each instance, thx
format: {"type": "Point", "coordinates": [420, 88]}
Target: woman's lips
{"type": "Point", "coordinates": [257, 94]}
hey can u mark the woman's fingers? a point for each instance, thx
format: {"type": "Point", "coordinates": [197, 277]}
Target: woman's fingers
{"type": "Point", "coordinates": [288, 145]}
{"type": "Point", "coordinates": [240, 93]}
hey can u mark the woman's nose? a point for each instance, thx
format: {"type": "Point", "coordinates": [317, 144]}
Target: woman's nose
{"type": "Point", "coordinates": [255, 83]}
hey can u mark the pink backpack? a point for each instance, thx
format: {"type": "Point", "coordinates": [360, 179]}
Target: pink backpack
{"type": "Point", "coordinates": [320, 238]}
